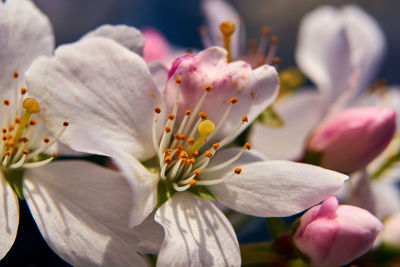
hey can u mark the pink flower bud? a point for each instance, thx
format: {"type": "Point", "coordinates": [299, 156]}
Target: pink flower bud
{"type": "Point", "coordinates": [352, 138]}
{"type": "Point", "coordinates": [333, 235]}
{"type": "Point", "coordinates": [156, 46]}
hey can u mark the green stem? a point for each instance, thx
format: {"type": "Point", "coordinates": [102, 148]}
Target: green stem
{"type": "Point", "coordinates": [386, 165]}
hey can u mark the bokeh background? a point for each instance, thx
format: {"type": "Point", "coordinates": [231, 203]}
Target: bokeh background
{"type": "Point", "coordinates": [179, 20]}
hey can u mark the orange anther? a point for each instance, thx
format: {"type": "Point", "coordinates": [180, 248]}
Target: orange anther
{"type": "Point", "coordinates": [245, 118]}
{"type": "Point", "coordinates": [237, 170]}
{"type": "Point", "coordinates": [6, 102]}
{"type": "Point", "coordinates": [65, 123]}
{"type": "Point", "coordinates": [197, 172]}
{"type": "Point", "coordinates": [274, 40]}
{"type": "Point", "coordinates": [234, 100]}
{"type": "Point", "coordinates": [54, 155]}
{"type": "Point", "coordinates": [17, 119]}
{"type": "Point", "coordinates": [15, 74]}
{"type": "Point", "coordinates": [171, 116]}
{"type": "Point", "coordinates": [190, 140]}
{"type": "Point", "coordinates": [203, 115]}
{"type": "Point", "coordinates": [32, 122]}
{"type": "Point", "coordinates": [187, 112]}
{"type": "Point", "coordinates": [208, 87]}
{"type": "Point", "coordinates": [23, 91]}
{"type": "Point", "coordinates": [247, 146]}
{"type": "Point", "coordinates": [46, 140]}
{"type": "Point", "coordinates": [157, 109]}
{"type": "Point", "coordinates": [216, 146]}
{"type": "Point", "coordinates": [208, 153]}
{"type": "Point", "coordinates": [178, 80]}
{"type": "Point", "coordinates": [167, 129]}
{"type": "Point", "coordinates": [193, 182]}
{"type": "Point", "coordinates": [167, 160]}
{"type": "Point", "coordinates": [25, 151]}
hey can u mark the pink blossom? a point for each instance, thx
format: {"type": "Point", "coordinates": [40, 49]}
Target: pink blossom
{"type": "Point", "coordinates": [332, 235]}
{"type": "Point", "coordinates": [352, 138]}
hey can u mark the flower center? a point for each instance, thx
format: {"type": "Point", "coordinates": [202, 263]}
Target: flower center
{"type": "Point", "coordinates": [23, 140]}
{"type": "Point", "coordinates": [183, 153]}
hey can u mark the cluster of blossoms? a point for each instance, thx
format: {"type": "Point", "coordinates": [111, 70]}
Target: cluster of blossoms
{"type": "Point", "coordinates": [170, 134]}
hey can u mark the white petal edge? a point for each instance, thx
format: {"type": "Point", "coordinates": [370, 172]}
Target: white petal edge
{"type": "Point", "coordinates": [130, 37]}
{"type": "Point", "coordinates": [275, 188]}
{"type": "Point", "coordinates": [197, 233]}
{"type": "Point", "coordinates": [300, 113]}
{"type": "Point", "coordinates": [99, 85]}
{"type": "Point", "coordinates": [9, 216]}
{"type": "Point", "coordinates": [26, 33]}
{"type": "Point", "coordinates": [82, 211]}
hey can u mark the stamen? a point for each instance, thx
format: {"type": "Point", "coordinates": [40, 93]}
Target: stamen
{"type": "Point", "coordinates": [39, 163]}
{"type": "Point", "coordinates": [23, 91]}
{"type": "Point", "coordinates": [196, 173]}
{"type": "Point", "coordinates": [226, 163]}
{"type": "Point", "coordinates": [15, 74]}
{"type": "Point", "coordinates": [208, 153]}
{"type": "Point", "coordinates": [47, 145]}
{"type": "Point", "coordinates": [168, 160]}
{"type": "Point", "coordinates": [167, 129]}
{"type": "Point", "coordinates": [208, 87]}
{"type": "Point", "coordinates": [203, 115]}
{"type": "Point", "coordinates": [276, 62]}
{"type": "Point", "coordinates": [234, 100]}
{"type": "Point", "coordinates": [227, 29]}
{"type": "Point", "coordinates": [262, 47]}
{"type": "Point", "coordinates": [19, 163]}
{"type": "Point", "coordinates": [181, 188]}
{"type": "Point", "coordinates": [272, 49]}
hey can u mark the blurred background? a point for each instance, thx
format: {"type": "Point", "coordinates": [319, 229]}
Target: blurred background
{"type": "Point", "coordinates": [179, 21]}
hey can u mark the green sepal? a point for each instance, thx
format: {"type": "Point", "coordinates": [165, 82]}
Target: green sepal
{"type": "Point", "coordinates": [312, 157]}
{"type": "Point", "coordinates": [271, 118]}
{"type": "Point", "coordinates": [15, 178]}
{"type": "Point", "coordinates": [202, 191]}
{"type": "Point", "coordinates": [165, 191]}
{"type": "Point", "coordinates": [276, 226]}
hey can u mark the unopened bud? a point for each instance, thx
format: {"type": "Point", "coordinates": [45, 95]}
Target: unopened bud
{"type": "Point", "coordinates": [333, 235]}
{"type": "Point", "coordinates": [351, 139]}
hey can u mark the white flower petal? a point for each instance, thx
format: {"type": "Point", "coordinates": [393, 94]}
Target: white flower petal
{"type": "Point", "coordinates": [197, 233]}
{"type": "Point", "coordinates": [216, 12]}
{"type": "Point", "coordinates": [9, 216]}
{"type": "Point", "coordinates": [255, 89]}
{"type": "Point", "coordinates": [275, 188]}
{"type": "Point", "coordinates": [323, 50]}
{"type": "Point", "coordinates": [99, 85]}
{"type": "Point", "coordinates": [159, 73]}
{"type": "Point", "coordinates": [25, 34]}
{"type": "Point", "coordinates": [300, 113]}
{"type": "Point", "coordinates": [367, 42]}
{"type": "Point", "coordinates": [130, 37]}
{"type": "Point", "coordinates": [82, 210]}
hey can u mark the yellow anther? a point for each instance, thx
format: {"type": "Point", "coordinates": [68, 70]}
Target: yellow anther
{"type": "Point", "coordinates": [157, 110]}
{"type": "Point", "coordinates": [31, 105]}
{"type": "Point", "coordinates": [227, 28]}
{"type": "Point", "coordinates": [195, 153]}
{"type": "Point", "coordinates": [247, 146]}
{"type": "Point", "coordinates": [237, 170]}
{"type": "Point", "coordinates": [234, 100]}
{"type": "Point", "coordinates": [178, 80]}
{"type": "Point", "coordinates": [193, 182]}
{"type": "Point", "coordinates": [208, 87]}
